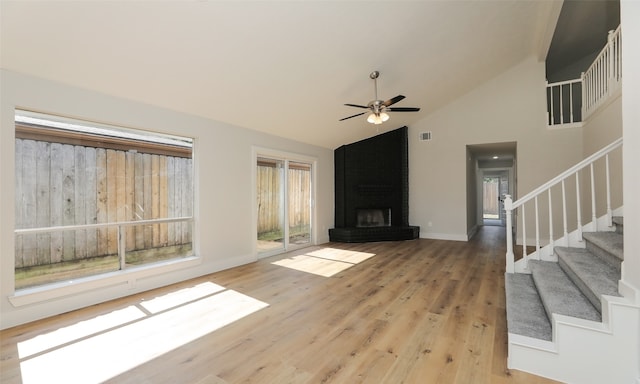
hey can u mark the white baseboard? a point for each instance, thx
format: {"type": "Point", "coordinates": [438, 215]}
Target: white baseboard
{"type": "Point", "coordinates": [443, 236]}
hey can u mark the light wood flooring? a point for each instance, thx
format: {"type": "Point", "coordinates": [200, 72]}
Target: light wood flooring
{"type": "Point", "coordinates": [420, 311]}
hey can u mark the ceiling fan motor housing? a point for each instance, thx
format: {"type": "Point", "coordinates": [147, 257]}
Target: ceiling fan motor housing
{"type": "Point", "coordinates": [376, 106]}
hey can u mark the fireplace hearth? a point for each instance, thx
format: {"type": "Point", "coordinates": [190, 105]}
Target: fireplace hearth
{"type": "Point", "coordinates": [372, 190]}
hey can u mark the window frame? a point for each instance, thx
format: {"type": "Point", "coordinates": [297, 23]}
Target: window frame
{"type": "Point", "coordinates": [124, 276]}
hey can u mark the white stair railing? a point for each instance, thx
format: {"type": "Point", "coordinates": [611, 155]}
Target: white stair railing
{"type": "Point", "coordinates": [573, 101]}
{"type": "Point", "coordinates": [513, 208]}
{"type": "Point", "coordinates": [603, 77]}
{"type": "Point", "coordinates": [564, 102]}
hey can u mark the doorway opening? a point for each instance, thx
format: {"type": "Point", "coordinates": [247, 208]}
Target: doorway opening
{"type": "Point", "coordinates": [490, 188]}
{"type": "Point", "coordinates": [491, 174]}
{"type": "Point", "coordinates": [495, 185]}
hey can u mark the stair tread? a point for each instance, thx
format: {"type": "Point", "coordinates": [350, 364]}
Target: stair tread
{"type": "Point", "coordinates": [609, 241]}
{"type": "Point", "coordinates": [525, 312]}
{"type": "Point", "coordinates": [559, 294]}
{"type": "Point", "coordinates": [601, 277]}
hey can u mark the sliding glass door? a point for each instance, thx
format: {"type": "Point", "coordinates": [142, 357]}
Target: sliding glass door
{"type": "Point", "coordinates": [284, 197]}
{"type": "Point", "coordinates": [299, 203]}
{"type": "Point", "coordinates": [270, 182]}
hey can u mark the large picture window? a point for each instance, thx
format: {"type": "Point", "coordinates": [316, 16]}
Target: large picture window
{"type": "Point", "coordinates": [92, 198]}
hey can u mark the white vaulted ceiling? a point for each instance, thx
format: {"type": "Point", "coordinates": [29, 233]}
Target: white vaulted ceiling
{"type": "Point", "coordinates": [285, 68]}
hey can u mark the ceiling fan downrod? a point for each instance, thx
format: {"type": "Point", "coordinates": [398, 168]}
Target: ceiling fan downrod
{"type": "Point", "coordinates": [374, 75]}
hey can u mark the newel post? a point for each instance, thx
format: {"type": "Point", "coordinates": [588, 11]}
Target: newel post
{"type": "Point", "coordinates": [508, 207]}
{"type": "Point", "coordinates": [550, 98]}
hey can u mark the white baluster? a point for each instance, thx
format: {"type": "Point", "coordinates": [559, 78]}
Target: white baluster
{"type": "Point", "coordinates": [585, 87]}
{"type": "Point", "coordinates": [594, 219]}
{"type": "Point", "coordinates": [587, 93]}
{"type": "Point", "coordinates": [592, 90]}
{"type": "Point", "coordinates": [549, 122]}
{"type": "Point", "coordinates": [553, 119]}
{"type": "Point", "coordinates": [564, 215]}
{"type": "Point", "coordinates": [550, 220]}
{"type": "Point", "coordinates": [609, 213]}
{"type": "Point", "coordinates": [618, 56]}
{"type": "Point", "coordinates": [537, 228]}
{"type": "Point", "coordinates": [599, 79]}
{"type": "Point", "coordinates": [610, 52]}
{"type": "Point", "coordinates": [590, 93]}
{"type": "Point", "coordinates": [603, 76]}
{"type": "Point", "coordinates": [594, 83]}
{"type": "Point", "coordinates": [571, 102]}
{"type": "Point", "coordinates": [561, 99]}
{"type": "Point", "coordinates": [578, 206]}
{"type": "Point", "coordinates": [510, 259]}
{"type": "Point", "coordinates": [524, 239]}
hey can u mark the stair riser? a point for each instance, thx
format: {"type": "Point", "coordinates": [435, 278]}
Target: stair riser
{"type": "Point", "coordinates": [606, 256]}
{"type": "Point", "coordinates": [559, 294]}
{"type": "Point", "coordinates": [618, 221]}
{"type": "Point", "coordinates": [525, 313]}
{"type": "Point", "coordinates": [582, 286]}
{"type": "Point", "coordinates": [620, 229]}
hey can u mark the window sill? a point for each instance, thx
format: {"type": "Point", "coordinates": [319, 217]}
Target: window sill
{"type": "Point", "coordinates": [43, 293]}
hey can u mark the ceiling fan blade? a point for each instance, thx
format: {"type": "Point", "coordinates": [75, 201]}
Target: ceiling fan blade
{"type": "Point", "coordinates": [358, 114]}
{"type": "Point", "coordinates": [393, 100]}
{"type": "Point", "coordinates": [402, 109]}
{"type": "Point", "coordinates": [357, 106]}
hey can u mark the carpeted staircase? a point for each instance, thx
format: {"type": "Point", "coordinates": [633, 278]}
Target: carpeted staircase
{"type": "Point", "coordinates": [573, 286]}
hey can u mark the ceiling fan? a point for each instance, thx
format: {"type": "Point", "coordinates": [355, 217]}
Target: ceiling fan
{"type": "Point", "coordinates": [380, 108]}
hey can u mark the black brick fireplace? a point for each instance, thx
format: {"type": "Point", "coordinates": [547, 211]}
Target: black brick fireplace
{"type": "Point", "coordinates": [372, 190]}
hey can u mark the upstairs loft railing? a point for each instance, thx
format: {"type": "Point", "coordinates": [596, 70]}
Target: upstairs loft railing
{"type": "Point", "coordinates": [572, 101]}
{"type": "Point", "coordinates": [516, 209]}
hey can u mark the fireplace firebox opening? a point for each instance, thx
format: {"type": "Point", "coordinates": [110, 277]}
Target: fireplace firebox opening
{"type": "Point", "coordinates": [373, 217]}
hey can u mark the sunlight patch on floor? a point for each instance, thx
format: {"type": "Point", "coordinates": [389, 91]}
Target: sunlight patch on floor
{"type": "Point", "coordinates": [78, 331]}
{"type": "Point", "coordinates": [102, 351]}
{"type": "Point", "coordinates": [173, 299]}
{"type": "Point", "coordinates": [324, 262]}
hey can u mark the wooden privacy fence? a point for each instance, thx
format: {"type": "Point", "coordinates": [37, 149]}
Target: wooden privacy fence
{"type": "Point", "coordinates": [61, 184]}
{"type": "Point", "coordinates": [270, 200]}
{"type": "Point", "coordinates": [490, 204]}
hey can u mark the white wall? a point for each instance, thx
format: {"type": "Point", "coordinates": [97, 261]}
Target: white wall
{"type": "Point", "coordinates": [630, 283]}
{"type": "Point", "coordinates": [630, 20]}
{"type": "Point", "coordinates": [510, 107]}
{"type": "Point", "coordinates": [225, 230]}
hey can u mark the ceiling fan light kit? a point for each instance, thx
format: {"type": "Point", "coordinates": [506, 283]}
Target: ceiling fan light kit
{"type": "Point", "coordinates": [379, 108]}
{"type": "Point", "coordinates": [378, 118]}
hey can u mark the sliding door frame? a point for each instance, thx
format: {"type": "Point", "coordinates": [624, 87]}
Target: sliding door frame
{"type": "Point", "coordinates": [258, 152]}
